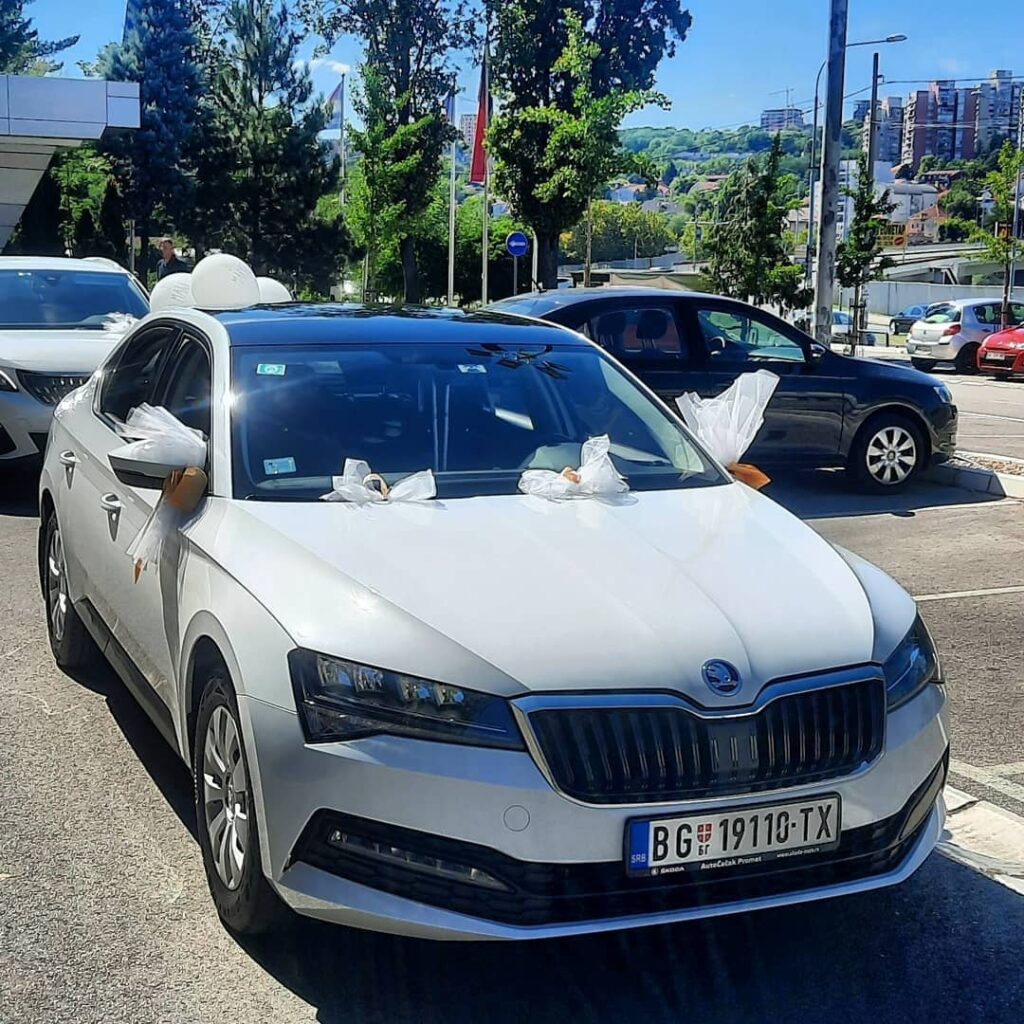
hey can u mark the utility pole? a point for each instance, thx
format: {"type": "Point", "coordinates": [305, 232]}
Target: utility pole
{"type": "Point", "coordinates": [1015, 226]}
{"type": "Point", "coordinates": [860, 292]}
{"type": "Point", "coordinates": [825, 277]}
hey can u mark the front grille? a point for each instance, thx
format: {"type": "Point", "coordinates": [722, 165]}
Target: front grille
{"type": "Point", "coordinates": [654, 754]}
{"type": "Point", "coordinates": [50, 388]}
{"type": "Point", "coordinates": [543, 893]}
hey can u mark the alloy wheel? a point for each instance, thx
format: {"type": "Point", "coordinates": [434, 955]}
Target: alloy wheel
{"type": "Point", "coordinates": [891, 455]}
{"type": "Point", "coordinates": [225, 796]}
{"type": "Point", "coordinates": [57, 585]}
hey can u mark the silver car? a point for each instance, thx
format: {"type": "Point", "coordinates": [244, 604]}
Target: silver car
{"type": "Point", "coordinates": [952, 332]}
{"type": "Point", "coordinates": [56, 327]}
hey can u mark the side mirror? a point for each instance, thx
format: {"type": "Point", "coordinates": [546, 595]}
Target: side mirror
{"type": "Point", "coordinates": [143, 473]}
{"type": "Point", "coordinates": [815, 352]}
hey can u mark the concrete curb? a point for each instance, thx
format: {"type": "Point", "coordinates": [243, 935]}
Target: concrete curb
{"type": "Point", "coordinates": [982, 481]}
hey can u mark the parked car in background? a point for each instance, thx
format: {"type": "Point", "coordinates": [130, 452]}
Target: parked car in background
{"type": "Point", "coordinates": [484, 717]}
{"type": "Point", "coordinates": [56, 326]}
{"type": "Point", "coordinates": [952, 332]}
{"type": "Point", "coordinates": [882, 421]}
{"type": "Point", "coordinates": [902, 321]}
{"type": "Point", "coordinates": [1002, 353]}
{"type": "Point", "coordinates": [842, 328]}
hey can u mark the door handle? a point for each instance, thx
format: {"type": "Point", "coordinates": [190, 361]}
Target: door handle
{"type": "Point", "coordinates": [111, 503]}
{"type": "Point", "coordinates": [68, 458]}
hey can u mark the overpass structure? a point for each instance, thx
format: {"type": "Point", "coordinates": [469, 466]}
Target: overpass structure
{"type": "Point", "coordinates": [38, 116]}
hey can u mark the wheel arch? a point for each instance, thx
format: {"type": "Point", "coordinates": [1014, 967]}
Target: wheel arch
{"type": "Point", "coordinates": [902, 409]}
{"type": "Point", "coordinates": [47, 507]}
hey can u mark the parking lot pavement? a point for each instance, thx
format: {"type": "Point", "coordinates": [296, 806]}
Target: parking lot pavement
{"type": "Point", "coordinates": [991, 414]}
{"type": "Point", "coordinates": [104, 913]}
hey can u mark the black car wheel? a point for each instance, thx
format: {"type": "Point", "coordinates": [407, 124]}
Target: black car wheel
{"type": "Point", "coordinates": [894, 328]}
{"type": "Point", "coordinates": [226, 816]}
{"type": "Point", "coordinates": [967, 359]}
{"type": "Point", "coordinates": [72, 646]}
{"type": "Point", "coordinates": [887, 453]}
{"type": "Point", "coordinates": [922, 364]}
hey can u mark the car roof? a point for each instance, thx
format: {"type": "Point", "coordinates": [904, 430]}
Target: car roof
{"type": "Point", "coordinates": [98, 266]}
{"type": "Point", "coordinates": [335, 323]}
{"type": "Point", "coordinates": [539, 303]}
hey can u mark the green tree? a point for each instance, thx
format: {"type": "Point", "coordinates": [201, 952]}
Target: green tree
{"type": "Point", "coordinates": [857, 258]}
{"type": "Point", "coordinates": [567, 73]}
{"type": "Point", "coordinates": [159, 52]}
{"type": "Point", "coordinates": [620, 231]}
{"type": "Point", "coordinates": [22, 52]}
{"type": "Point", "coordinates": [406, 75]}
{"type": "Point", "coordinates": [1000, 245]}
{"type": "Point", "coordinates": [746, 250]}
{"type": "Point", "coordinates": [112, 230]}
{"type": "Point", "coordinates": [272, 168]}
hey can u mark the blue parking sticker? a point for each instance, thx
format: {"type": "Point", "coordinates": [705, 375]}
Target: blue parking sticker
{"type": "Point", "coordinates": [274, 467]}
{"type": "Point", "coordinates": [270, 369]}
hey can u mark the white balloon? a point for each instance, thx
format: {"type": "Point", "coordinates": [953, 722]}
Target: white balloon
{"type": "Point", "coordinates": [173, 292]}
{"type": "Point", "coordinates": [272, 291]}
{"type": "Point", "coordinates": [221, 281]}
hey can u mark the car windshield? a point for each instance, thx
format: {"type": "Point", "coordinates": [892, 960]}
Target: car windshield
{"type": "Point", "coordinates": [942, 314]}
{"type": "Point", "coordinates": [54, 299]}
{"type": "Point", "coordinates": [476, 416]}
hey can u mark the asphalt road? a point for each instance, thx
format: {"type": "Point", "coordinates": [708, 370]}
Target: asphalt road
{"type": "Point", "coordinates": [991, 414]}
{"type": "Point", "coordinates": [104, 914]}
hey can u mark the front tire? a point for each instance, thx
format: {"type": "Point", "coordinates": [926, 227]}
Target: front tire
{"type": "Point", "coordinates": [923, 364]}
{"type": "Point", "coordinates": [967, 359]}
{"type": "Point", "coordinates": [226, 816]}
{"type": "Point", "coordinates": [72, 645]}
{"type": "Point", "coordinates": [888, 452]}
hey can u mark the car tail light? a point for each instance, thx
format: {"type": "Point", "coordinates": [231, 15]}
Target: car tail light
{"type": "Point", "coordinates": [951, 330]}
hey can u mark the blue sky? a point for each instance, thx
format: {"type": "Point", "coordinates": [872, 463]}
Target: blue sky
{"type": "Point", "coordinates": [740, 55]}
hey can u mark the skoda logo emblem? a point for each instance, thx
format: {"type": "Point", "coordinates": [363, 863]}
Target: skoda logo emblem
{"type": "Point", "coordinates": [721, 677]}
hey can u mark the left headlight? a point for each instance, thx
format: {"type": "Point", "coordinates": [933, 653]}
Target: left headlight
{"type": "Point", "coordinates": [7, 382]}
{"type": "Point", "coordinates": [911, 667]}
{"type": "Point", "coordinates": [343, 700]}
{"type": "Point", "coordinates": [945, 395]}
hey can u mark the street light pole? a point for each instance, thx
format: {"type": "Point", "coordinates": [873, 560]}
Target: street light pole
{"type": "Point", "coordinates": [1015, 228]}
{"type": "Point", "coordinates": [832, 146]}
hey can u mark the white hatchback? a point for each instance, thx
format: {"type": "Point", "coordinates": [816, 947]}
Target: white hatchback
{"type": "Point", "coordinates": [59, 319]}
{"type": "Point", "coordinates": [952, 332]}
{"type": "Point", "coordinates": [482, 714]}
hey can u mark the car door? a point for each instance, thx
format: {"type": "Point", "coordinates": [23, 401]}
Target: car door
{"type": "Point", "coordinates": [644, 334]}
{"type": "Point", "coordinates": [110, 513]}
{"type": "Point", "coordinates": [804, 420]}
{"type": "Point", "coordinates": [148, 616]}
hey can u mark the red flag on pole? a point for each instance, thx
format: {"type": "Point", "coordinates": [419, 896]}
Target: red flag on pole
{"type": "Point", "coordinates": [478, 162]}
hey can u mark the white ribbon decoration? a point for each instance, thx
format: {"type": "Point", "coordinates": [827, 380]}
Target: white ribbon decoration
{"type": "Point", "coordinates": [352, 486]}
{"type": "Point", "coordinates": [596, 476]}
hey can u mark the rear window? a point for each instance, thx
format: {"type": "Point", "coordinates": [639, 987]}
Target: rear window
{"type": "Point", "coordinates": [948, 314]}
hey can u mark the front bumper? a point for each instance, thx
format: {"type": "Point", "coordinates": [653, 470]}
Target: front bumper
{"type": "Point", "coordinates": [1013, 361]}
{"type": "Point", "coordinates": [562, 860]}
{"type": "Point", "coordinates": [24, 426]}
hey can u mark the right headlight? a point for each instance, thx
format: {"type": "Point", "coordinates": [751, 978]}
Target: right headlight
{"type": "Point", "coordinates": [7, 382]}
{"type": "Point", "coordinates": [911, 667]}
{"type": "Point", "coordinates": [344, 700]}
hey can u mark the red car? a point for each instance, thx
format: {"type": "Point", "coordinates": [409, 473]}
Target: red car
{"type": "Point", "coordinates": [1003, 353]}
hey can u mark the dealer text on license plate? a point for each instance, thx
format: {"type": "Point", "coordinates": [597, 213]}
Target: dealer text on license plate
{"type": "Point", "coordinates": [742, 835]}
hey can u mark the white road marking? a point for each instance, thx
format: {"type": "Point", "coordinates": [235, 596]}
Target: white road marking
{"type": "Point", "coordinates": [990, 777]}
{"type": "Point", "coordinates": [954, 594]}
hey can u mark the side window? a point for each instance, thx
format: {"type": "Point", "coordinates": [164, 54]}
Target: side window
{"type": "Point", "coordinates": [187, 392]}
{"type": "Point", "coordinates": [130, 381]}
{"type": "Point", "coordinates": [987, 314]}
{"type": "Point", "coordinates": [639, 334]}
{"type": "Point", "coordinates": [1016, 313]}
{"type": "Point", "coordinates": [734, 336]}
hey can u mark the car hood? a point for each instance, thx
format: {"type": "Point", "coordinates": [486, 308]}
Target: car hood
{"type": "Point", "coordinates": [515, 594]}
{"type": "Point", "coordinates": [56, 351]}
{"type": "Point", "coordinates": [890, 370]}
{"type": "Point", "coordinates": [1004, 339]}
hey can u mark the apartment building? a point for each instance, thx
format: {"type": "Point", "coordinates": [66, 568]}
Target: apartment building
{"type": "Point", "coordinates": [939, 121]}
{"type": "Point", "coordinates": [888, 130]}
{"type": "Point", "coordinates": [782, 118]}
{"type": "Point", "coordinates": [999, 103]}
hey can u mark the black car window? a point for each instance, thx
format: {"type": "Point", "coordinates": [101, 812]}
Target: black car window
{"type": "Point", "coordinates": [187, 394]}
{"type": "Point", "coordinates": [130, 381]}
{"type": "Point", "coordinates": [736, 335]}
{"type": "Point", "coordinates": [638, 333]}
{"type": "Point", "coordinates": [1017, 313]}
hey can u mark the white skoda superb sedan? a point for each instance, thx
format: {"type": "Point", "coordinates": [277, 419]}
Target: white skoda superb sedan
{"type": "Point", "coordinates": [483, 714]}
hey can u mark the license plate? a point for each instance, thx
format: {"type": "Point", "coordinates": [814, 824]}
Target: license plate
{"type": "Point", "coordinates": [996, 357]}
{"type": "Point", "coordinates": [742, 835]}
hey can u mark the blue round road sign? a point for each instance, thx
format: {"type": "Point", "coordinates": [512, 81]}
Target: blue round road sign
{"type": "Point", "coordinates": [517, 243]}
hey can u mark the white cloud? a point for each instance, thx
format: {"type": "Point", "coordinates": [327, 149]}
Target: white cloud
{"type": "Point", "coordinates": [323, 62]}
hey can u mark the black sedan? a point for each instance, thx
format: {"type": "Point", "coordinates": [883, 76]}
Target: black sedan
{"type": "Point", "coordinates": [901, 322]}
{"type": "Point", "coordinates": [884, 422]}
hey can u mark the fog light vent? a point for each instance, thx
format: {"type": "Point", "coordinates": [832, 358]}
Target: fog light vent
{"type": "Point", "coordinates": [412, 861]}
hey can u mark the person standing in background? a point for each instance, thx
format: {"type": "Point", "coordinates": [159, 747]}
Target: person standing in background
{"type": "Point", "coordinates": [170, 263]}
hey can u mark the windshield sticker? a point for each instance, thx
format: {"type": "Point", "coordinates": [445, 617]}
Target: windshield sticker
{"type": "Point", "coordinates": [270, 369]}
{"type": "Point", "coordinates": [275, 467]}
{"type": "Point", "coordinates": [472, 368]}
